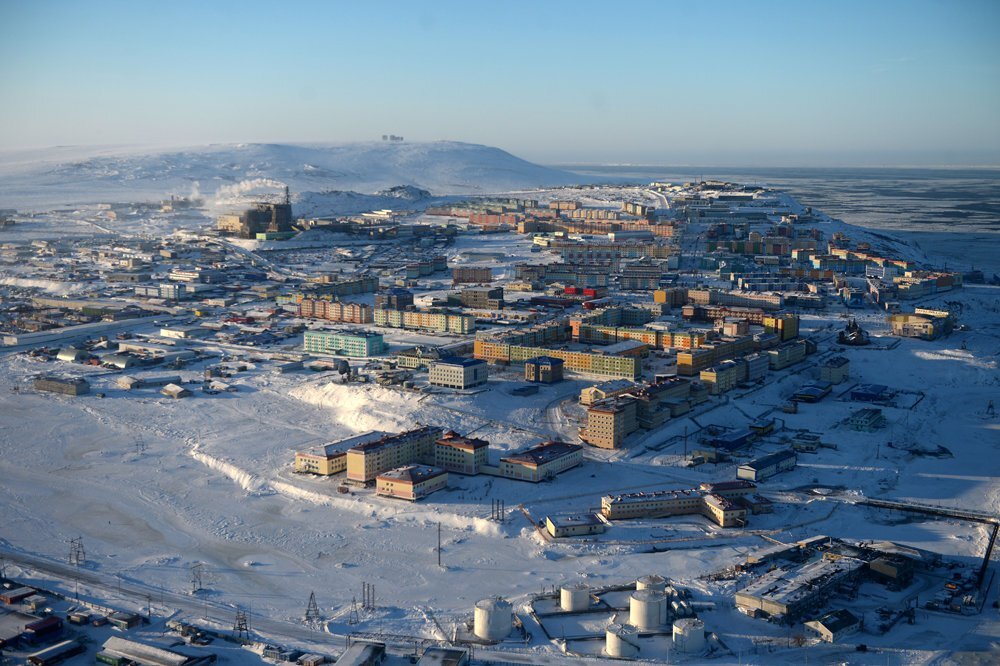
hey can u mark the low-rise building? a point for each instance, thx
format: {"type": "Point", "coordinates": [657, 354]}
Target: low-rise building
{"type": "Point", "coordinates": [834, 625]}
{"type": "Point", "coordinates": [541, 462]}
{"type": "Point", "coordinates": [767, 466]}
{"type": "Point", "coordinates": [411, 482]}
{"type": "Point", "coordinates": [868, 419]}
{"type": "Point", "coordinates": [721, 508]}
{"type": "Point", "coordinates": [64, 385]}
{"type": "Point", "coordinates": [458, 373]}
{"type": "Point", "coordinates": [559, 527]}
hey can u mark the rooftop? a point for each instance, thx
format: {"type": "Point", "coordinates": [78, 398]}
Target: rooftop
{"type": "Point", "coordinates": [460, 361]}
{"type": "Point", "coordinates": [412, 473]}
{"type": "Point", "coordinates": [341, 447]}
{"type": "Point", "coordinates": [543, 453]}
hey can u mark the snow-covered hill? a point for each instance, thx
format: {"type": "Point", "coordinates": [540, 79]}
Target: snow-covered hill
{"type": "Point", "coordinates": [88, 175]}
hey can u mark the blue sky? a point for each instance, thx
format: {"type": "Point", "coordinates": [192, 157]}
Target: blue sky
{"type": "Point", "coordinates": [710, 83]}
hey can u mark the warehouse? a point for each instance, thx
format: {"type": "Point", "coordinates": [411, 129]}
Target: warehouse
{"type": "Point", "coordinates": [64, 385]}
{"type": "Point", "coordinates": [790, 593]}
{"type": "Point", "coordinates": [767, 466]}
{"type": "Point", "coordinates": [120, 651]}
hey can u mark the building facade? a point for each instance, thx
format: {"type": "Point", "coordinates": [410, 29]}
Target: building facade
{"type": "Point", "coordinates": [458, 373]}
{"type": "Point", "coordinates": [347, 343]}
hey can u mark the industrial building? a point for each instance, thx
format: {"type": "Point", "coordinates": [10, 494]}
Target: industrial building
{"type": "Point", "coordinates": [792, 593]}
{"type": "Point", "coordinates": [458, 373]}
{"type": "Point", "coordinates": [560, 527]}
{"type": "Point", "coordinates": [541, 462]}
{"type": "Point", "coordinates": [834, 625]}
{"type": "Point", "coordinates": [261, 218]}
{"type": "Point", "coordinates": [767, 466]}
{"type": "Point", "coordinates": [117, 651]}
{"type": "Point", "coordinates": [544, 369]}
{"type": "Point", "coordinates": [411, 482]}
{"type": "Point", "coordinates": [64, 385]}
{"type": "Point", "coordinates": [347, 343]}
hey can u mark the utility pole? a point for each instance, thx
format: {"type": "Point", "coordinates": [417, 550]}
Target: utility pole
{"type": "Point", "coordinates": [685, 442]}
{"type": "Point", "coordinates": [196, 577]}
{"type": "Point", "coordinates": [439, 544]}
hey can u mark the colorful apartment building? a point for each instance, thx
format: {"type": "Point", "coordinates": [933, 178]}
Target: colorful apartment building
{"type": "Point", "coordinates": [354, 313]}
{"type": "Point", "coordinates": [610, 422]}
{"type": "Point", "coordinates": [347, 343]}
{"type": "Point", "coordinates": [438, 322]}
{"type": "Point", "coordinates": [464, 455]}
{"type": "Point", "coordinates": [366, 461]}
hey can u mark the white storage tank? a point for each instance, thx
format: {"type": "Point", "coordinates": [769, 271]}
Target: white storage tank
{"type": "Point", "coordinates": [689, 635]}
{"type": "Point", "coordinates": [651, 582]}
{"type": "Point", "coordinates": [647, 609]}
{"type": "Point", "coordinates": [620, 640]}
{"type": "Point", "coordinates": [493, 619]}
{"type": "Point", "coordinates": [575, 597]}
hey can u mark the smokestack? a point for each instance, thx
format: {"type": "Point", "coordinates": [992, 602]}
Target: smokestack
{"type": "Point", "coordinates": [288, 198]}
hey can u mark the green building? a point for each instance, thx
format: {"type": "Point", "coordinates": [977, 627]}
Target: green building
{"type": "Point", "coordinates": [347, 343]}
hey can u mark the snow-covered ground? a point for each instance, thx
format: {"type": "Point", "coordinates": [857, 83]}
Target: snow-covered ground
{"type": "Point", "coordinates": [156, 485]}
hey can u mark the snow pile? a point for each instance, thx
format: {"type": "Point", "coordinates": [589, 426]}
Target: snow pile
{"type": "Point", "coordinates": [246, 480]}
{"type": "Point", "coordinates": [51, 286]}
{"type": "Point", "coordinates": [363, 408]}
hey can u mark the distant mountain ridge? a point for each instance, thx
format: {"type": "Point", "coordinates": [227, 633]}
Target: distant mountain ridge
{"type": "Point", "coordinates": [82, 175]}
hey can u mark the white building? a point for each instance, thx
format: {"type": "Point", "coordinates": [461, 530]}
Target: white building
{"type": "Point", "coordinates": [459, 373]}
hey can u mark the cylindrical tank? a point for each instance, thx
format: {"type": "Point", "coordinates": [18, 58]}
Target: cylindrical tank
{"type": "Point", "coordinates": [620, 640]}
{"type": "Point", "coordinates": [493, 619]}
{"type": "Point", "coordinates": [575, 597]}
{"type": "Point", "coordinates": [647, 609]}
{"type": "Point", "coordinates": [689, 635]}
{"type": "Point", "coordinates": [651, 582]}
